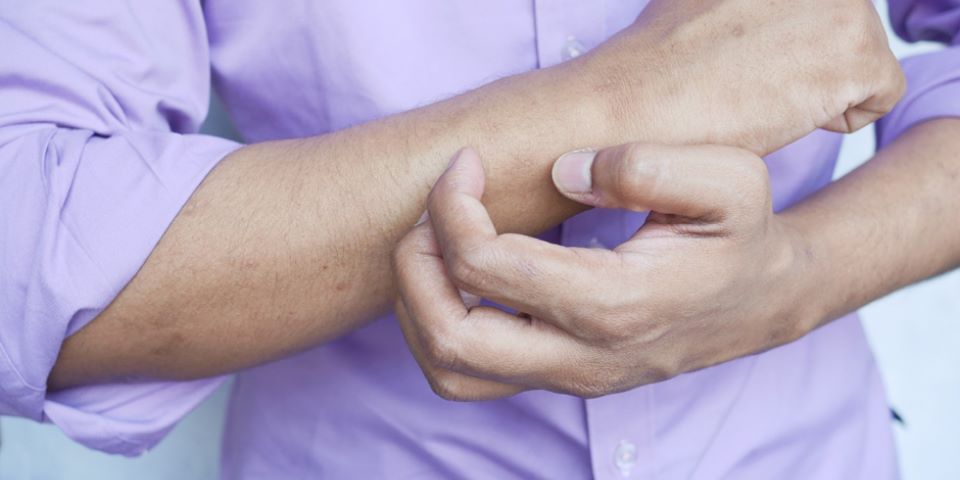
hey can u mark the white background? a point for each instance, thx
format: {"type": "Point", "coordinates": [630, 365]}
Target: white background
{"type": "Point", "coordinates": [915, 334]}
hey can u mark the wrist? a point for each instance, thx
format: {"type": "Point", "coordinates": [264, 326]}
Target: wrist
{"type": "Point", "coordinates": [801, 296]}
{"type": "Point", "coordinates": [618, 102]}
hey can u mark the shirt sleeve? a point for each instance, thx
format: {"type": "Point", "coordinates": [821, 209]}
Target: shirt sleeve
{"type": "Point", "coordinates": [100, 102]}
{"type": "Point", "coordinates": [933, 79]}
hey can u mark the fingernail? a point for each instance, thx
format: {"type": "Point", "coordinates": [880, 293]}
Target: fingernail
{"type": "Point", "coordinates": [571, 172]}
{"type": "Point", "coordinates": [423, 218]}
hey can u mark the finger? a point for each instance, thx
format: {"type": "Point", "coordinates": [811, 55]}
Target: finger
{"type": "Point", "coordinates": [867, 112]}
{"type": "Point", "coordinates": [890, 85]}
{"type": "Point", "coordinates": [530, 275]}
{"type": "Point", "coordinates": [495, 345]}
{"type": "Point", "coordinates": [419, 256]}
{"type": "Point", "coordinates": [483, 342]}
{"type": "Point", "coordinates": [454, 204]}
{"type": "Point", "coordinates": [574, 289]}
{"type": "Point", "coordinates": [445, 383]}
{"type": "Point", "coordinates": [704, 182]}
{"type": "Point", "coordinates": [852, 120]}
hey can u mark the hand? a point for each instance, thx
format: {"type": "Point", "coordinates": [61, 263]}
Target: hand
{"type": "Point", "coordinates": [734, 72]}
{"type": "Point", "coordinates": [706, 280]}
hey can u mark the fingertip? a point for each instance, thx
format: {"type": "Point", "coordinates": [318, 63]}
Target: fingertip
{"type": "Point", "coordinates": [467, 154]}
{"type": "Point", "coordinates": [466, 159]}
{"type": "Point", "coordinates": [464, 173]}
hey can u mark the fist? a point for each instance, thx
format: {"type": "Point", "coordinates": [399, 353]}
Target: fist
{"type": "Point", "coordinates": [710, 277]}
{"type": "Point", "coordinates": [753, 75]}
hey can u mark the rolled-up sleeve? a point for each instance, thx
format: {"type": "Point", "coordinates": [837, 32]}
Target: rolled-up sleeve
{"type": "Point", "coordinates": [933, 79]}
{"type": "Point", "coordinates": [100, 102]}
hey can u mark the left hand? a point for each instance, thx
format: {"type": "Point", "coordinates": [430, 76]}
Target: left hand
{"type": "Point", "coordinates": [707, 279]}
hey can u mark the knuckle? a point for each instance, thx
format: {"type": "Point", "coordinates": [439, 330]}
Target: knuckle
{"type": "Point", "coordinates": [662, 368]}
{"type": "Point", "coordinates": [466, 267]}
{"type": "Point", "coordinates": [754, 185]}
{"type": "Point", "coordinates": [614, 316]}
{"type": "Point", "coordinates": [446, 386]}
{"type": "Point", "coordinates": [527, 267]}
{"type": "Point", "coordinates": [440, 349]}
{"type": "Point", "coordinates": [748, 187]}
{"type": "Point", "coordinates": [602, 322]}
{"type": "Point", "coordinates": [593, 385]}
{"type": "Point", "coordinates": [587, 390]}
{"type": "Point", "coordinates": [585, 384]}
{"type": "Point", "coordinates": [659, 364]}
{"type": "Point", "coordinates": [609, 331]}
{"type": "Point", "coordinates": [757, 175]}
{"type": "Point", "coordinates": [636, 171]}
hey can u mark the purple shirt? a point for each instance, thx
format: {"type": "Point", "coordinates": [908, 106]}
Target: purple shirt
{"type": "Point", "coordinates": [100, 102]}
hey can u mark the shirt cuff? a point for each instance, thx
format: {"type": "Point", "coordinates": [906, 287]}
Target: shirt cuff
{"type": "Point", "coordinates": [88, 212]}
{"type": "Point", "coordinates": [933, 91]}
{"type": "Point", "coordinates": [125, 419]}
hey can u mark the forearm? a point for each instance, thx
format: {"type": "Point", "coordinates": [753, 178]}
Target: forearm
{"type": "Point", "coordinates": [286, 244]}
{"type": "Point", "coordinates": [888, 224]}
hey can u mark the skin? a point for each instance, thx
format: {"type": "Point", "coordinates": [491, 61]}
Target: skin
{"type": "Point", "coordinates": [287, 245]}
{"type": "Point", "coordinates": [798, 85]}
{"type": "Point", "coordinates": [602, 321]}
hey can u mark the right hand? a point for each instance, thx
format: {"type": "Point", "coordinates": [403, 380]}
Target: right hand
{"type": "Point", "coordinates": [747, 74]}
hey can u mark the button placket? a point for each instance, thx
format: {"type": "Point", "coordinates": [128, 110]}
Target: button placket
{"type": "Point", "coordinates": [620, 429]}
{"type": "Point", "coordinates": [618, 438]}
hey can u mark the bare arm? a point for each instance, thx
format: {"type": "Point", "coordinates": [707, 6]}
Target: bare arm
{"type": "Point", "coordinates": [722, 276]}
{"type": "Point", "coordinates": [890, 223]}
{"type": "Point", "coordinates": [287, 244]}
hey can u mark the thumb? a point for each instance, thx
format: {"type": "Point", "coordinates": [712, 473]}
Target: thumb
{"type": "Point", "coordinates": [700, 181]}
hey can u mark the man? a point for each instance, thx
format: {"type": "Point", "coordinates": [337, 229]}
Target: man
{"type": "Point", "coordinates": [164, 257]}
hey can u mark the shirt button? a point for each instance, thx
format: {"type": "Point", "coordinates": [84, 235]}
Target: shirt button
{"type": "Point", "coordinates": [625, 457]}
{"type": "Point", "coordinates": [572, 49]}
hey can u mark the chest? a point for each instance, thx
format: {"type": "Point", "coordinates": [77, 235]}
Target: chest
{"type": "Point", "coordinates": [303, 67]}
